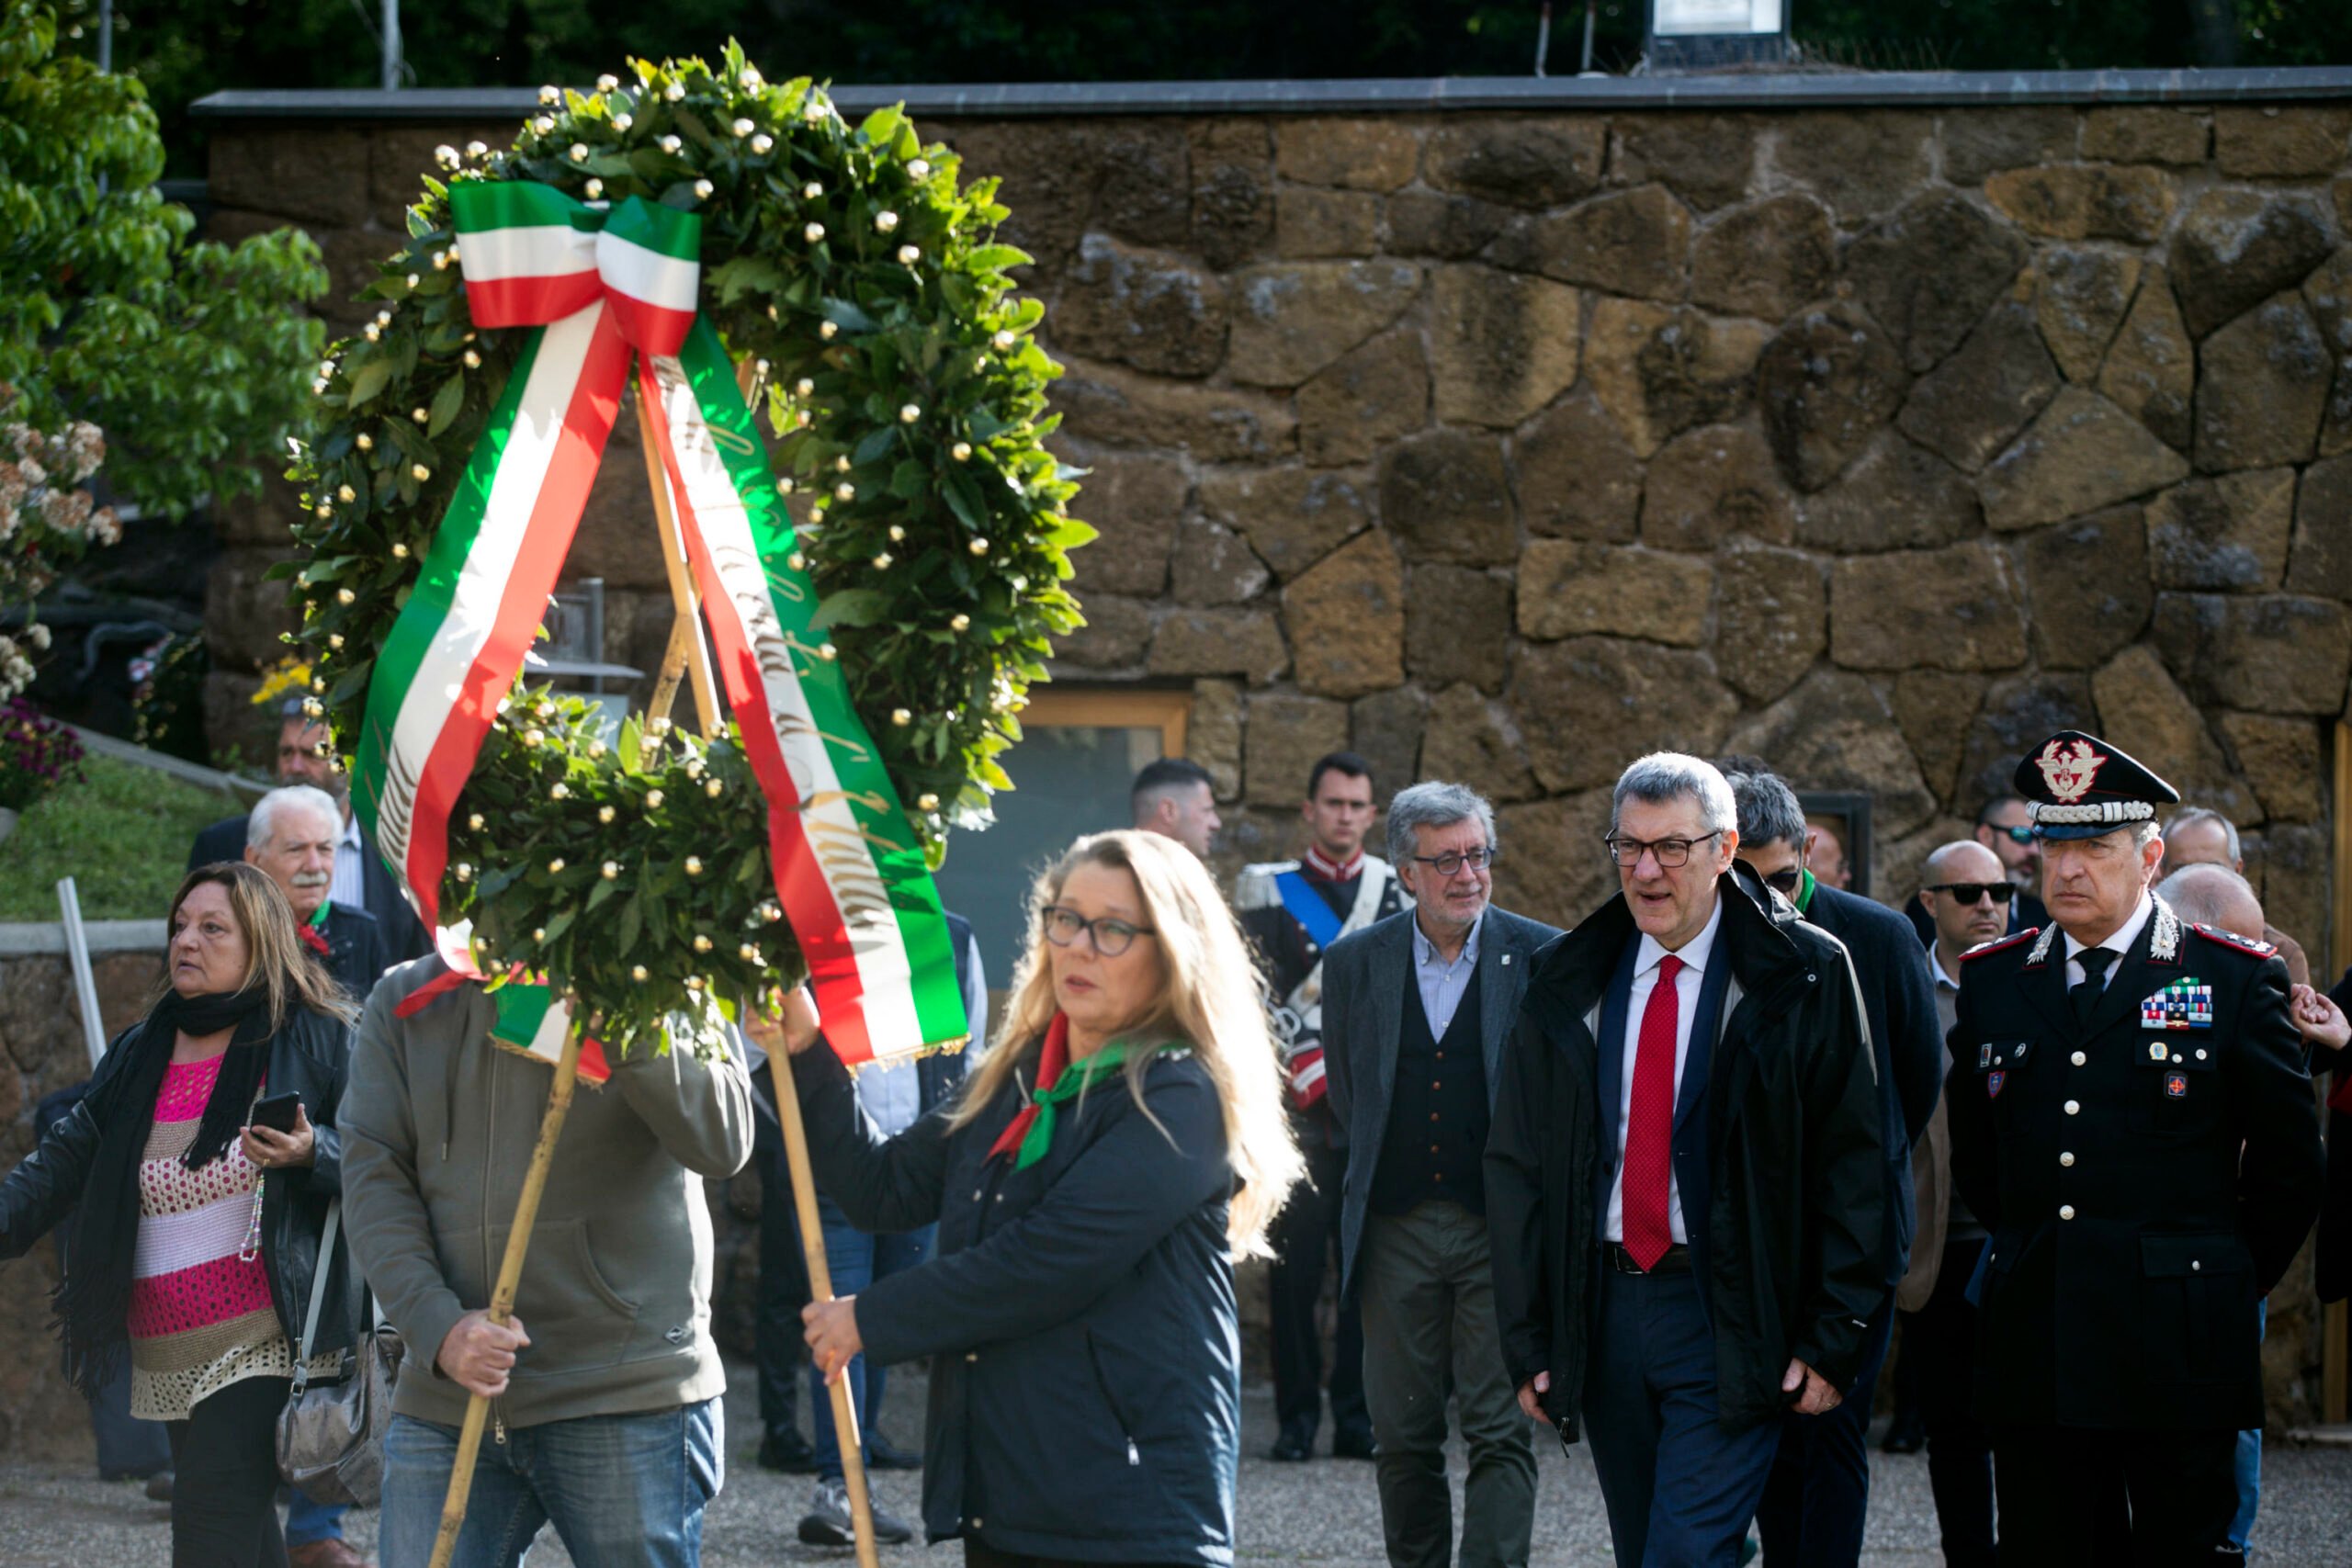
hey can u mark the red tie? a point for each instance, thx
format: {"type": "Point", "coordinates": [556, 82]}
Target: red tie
{"type": "Point", "coordinates": [1649, 1123]}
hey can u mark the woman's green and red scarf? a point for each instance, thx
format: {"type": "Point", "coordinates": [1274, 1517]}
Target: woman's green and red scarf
{"type": "Point", "coordinates": [1031, 1133]}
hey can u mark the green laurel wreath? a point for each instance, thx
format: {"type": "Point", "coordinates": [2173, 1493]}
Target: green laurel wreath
{"type": "Point", "coordinates": [850, 267]}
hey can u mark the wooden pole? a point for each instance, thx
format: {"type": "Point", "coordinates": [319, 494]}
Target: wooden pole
{"type": "Point", "coordinates": [688, 652]}
{"type": "Point", "coordinates": [820, 1288]}
{"type": "Point", "coordinates": [510, 1274]}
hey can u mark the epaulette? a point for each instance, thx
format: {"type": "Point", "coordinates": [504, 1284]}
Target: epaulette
{"type": "Point", "coordinates": [1981, 948]}
{"type": "Point", "coordinates": [2258, 948]}
{"type": "Point", "coordinates": [1254, 888]}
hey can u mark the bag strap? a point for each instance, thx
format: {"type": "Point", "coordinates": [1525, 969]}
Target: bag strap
{"type": "Point", "coordinates": [318, 1298]}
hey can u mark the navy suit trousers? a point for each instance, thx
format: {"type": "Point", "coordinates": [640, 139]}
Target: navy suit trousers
{"type": "Point", "coordinates": [1820, 1490]}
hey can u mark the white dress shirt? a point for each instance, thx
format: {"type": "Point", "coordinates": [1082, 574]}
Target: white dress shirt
{"type": "Point", "coordinates": [1444, 984]}
{"type": "Point", "coordinates": [1694, 954]}
{"type": "Point", "coordinates": [349, 887]}
{"type": "Point", "coordinates": [2120, 942]}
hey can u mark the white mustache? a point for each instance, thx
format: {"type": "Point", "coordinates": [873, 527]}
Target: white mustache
{"type": "Point", "coordinates": [311, 879]}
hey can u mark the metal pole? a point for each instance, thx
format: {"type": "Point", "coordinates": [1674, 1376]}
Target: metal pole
{"type": "Point", "coordinates": [1543, 36]}
{"type": "Point", "coordinates": [391, 45]}
{"type": "Point", "coordinates": [77, 954]}
{"type": "Point", "coordinates": [106, 37]}
{"type": "Point", "coordinates": [1585, 69]}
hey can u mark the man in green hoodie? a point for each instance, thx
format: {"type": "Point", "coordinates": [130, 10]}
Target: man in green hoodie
{"type": "Point", "coordinates": [604, 1387]}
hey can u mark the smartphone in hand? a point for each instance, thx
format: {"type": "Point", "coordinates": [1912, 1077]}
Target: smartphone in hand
{"type": "Point", "coordinates": [278, 1112]}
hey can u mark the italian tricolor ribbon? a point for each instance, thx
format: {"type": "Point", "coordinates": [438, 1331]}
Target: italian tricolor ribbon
{"type": "Point", "coordinates": [606, 293]}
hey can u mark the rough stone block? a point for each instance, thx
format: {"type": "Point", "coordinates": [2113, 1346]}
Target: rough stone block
{"type": "Point", "coordinates": [1355, 155]}
{"type": "Point", "coordinates": [1501, 346]}
{"type": "Point", "coordinates": [1213, 565]}
{"type": "Point", "coordinates": [1313, 222]}
{"type": "Point", "coordinates": [2229, 532]}
{"type": "Point", "coordinates": [1518, 162]}
{"type": "Point", "coordinates": [1455, 618]}
{"type": "Point", "coordinates": [243, 612]}
{"type": "Point", "coordinates": [1444, 497]}
{"type": "Point", "coordinates": [2018, 712]}
{"type": "Point", "coordinates": [2142, 711]}
{"type": "Point", "coordinates": [1708, 160]}
{"type": "Point", "coordinates": [1385, 730]}
{"type": "Point", "coordinates": [1294, 517]}
{"type": "Point", "coordinates": [1115, 637]}
{"type": "Point", "coordinates": [1976, 401]}
{"type": "Point", "coordinates": [1634, 241]}
{"type": "Point", "coordinates": [1577, 476]}
{"type": "Point", "coordinates": [2321, 563]}
{"type": "Point", "coordinates": [1346, 618]}
{"type": "Point", "coordinates": [2081, 454]}
{"type": "Point", "coordinates": [1660, 369]}
{"type": "Point", "coordinates": [1978, 142]}
{"type": "Point", "coordinates": [1928, 272]}
{"type": "Point", "coordinates": [1233, 189]}
{"type": "Point", "coordinates": [1216, 424]}
{"type": "Point", "coordinates": [311, 174]}
{"type": "Point", "coordinates": [1826, 382]}
{"type": "Point", "coordinates": [1471, 737]}
{"type": "Point", "coordinates": [2237, 248]}
{"type": "Point", "coordinates": [1213, 735]}
{"type": "Point", "coordinates": [1895, 497]}
{"type": "Point", "coordinates": [2262, 387]}
{"type": "Point", "coordinates": [1590, 705]}
{"type": "Point", "coordinates": [265, 518]}
{"type": "Point", "coordinates": [2079, 298]}
{"type": "Point", "coordinates": [1283, 736]}
{"type": "Point", "coordinates": [2278, 653]}
{"type": "Point", "coordinates": [2282, 759]}
{"type": "Point", "coordinates": [1154, 311]}
{"type": "Point", "coordinates": [2087, 201]}
{"type": "Point", "coordinates": [1291, 320]}
{"type": "Point", "coordinates": [1772, 617]}
{"type": "Point", "coordinates": [1553, 866]}
{"type": "Point", "coordinates": [1862, 164]}
{"type": "Point", "coordinates": [1769, 259]}
{"type": "Point", "coordinates": [1935, 708]}
{"type": "Point", "coordinates": [1708, 484]}
{"type": "Point", "coordinates": [1373, 395]}
{"type": "Point", "coordinates": [1134, 499]}
{"type": "Point", "coordinates": [1244, 642]}
{"type": "Point", "coordinates": [1957, 608]}
{"type": "Point", "coordinates": [2136, 133]}
{"type": "Point", "coordinates": [1569, 588]}
{"type": "Point", "coordinates": [1431, 223]}
{"type": "Point", "coordinates": [2087, 581]}
{"type": "Point", "coordinates": [2280, 142]}
{"type": "Point", "coordinates": [2150, 370]}
{"type": "Point", "coordinates": [1836, 732]}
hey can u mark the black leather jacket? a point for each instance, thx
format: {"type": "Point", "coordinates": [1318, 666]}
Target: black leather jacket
{"type": "Point", "coordinates": [309, 1056]}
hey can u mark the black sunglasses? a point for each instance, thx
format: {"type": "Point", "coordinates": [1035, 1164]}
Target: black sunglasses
{"type": "Point", "coordinates": [1970, 892]}
{"type": "Point", "coordinates": [2022, 833]}
{"type": "Point", "coordinates": [1785, 881]}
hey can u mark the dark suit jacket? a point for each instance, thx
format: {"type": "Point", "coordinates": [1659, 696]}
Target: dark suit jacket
{"type": "Point", "coordinates": [1363, 1019]}
{"type": "Point", "coordinates": [404, 935]}
{"type": "Point", "coordinates": [1906, 1041]}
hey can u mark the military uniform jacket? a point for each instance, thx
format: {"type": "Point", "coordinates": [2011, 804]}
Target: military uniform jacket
{"type": "Point", "coordinates": [2147, 1177]}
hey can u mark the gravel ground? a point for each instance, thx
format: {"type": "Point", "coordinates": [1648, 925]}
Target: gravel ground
{"type": "Point", "coordinates": [1325, 1512]}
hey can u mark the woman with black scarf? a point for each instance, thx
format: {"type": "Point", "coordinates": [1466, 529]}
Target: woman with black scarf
{"type": "Point", "coordinates": [196, 1237]}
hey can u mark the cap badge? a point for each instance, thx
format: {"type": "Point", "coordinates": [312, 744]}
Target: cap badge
{"type": "Point", "coordinates": [2069, 768]}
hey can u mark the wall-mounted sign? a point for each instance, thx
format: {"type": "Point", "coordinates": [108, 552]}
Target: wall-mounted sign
{"type": "Point", "coordinates": [1690, 18]}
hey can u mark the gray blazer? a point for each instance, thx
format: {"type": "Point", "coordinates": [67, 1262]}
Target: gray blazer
{"type": "Point", "coordinates": [1364, 1017]}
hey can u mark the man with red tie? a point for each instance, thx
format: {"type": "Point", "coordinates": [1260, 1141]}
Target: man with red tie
{"type": "Point", "coordinates": [1683, 1179]}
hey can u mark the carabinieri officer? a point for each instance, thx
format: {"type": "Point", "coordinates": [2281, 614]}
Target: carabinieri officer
{"type": "Point", "coordinates": [2132, 1120]}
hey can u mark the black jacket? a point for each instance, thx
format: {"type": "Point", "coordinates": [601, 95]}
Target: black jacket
{"type": "Point", "coordinates": [2332, 1259]}
{"type": "Point", "coordinates": [1086, 1371]}
{"type": "Point", "coordinates": [310, 1057]}
{"type": "Point", "coordinates": [1796, 1207]}
{"type": "Point", "coordinates": [2144, 1187]}
{"type": "Point", "coordinates": [404, 935]}
{"type": "Point", "coordinates": [1907, 1042]}
{"type": "Point", "coordinates": [356, 954]}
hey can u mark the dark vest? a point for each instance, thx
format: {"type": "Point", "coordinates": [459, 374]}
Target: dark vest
{"type": "Point", "coordinates": [1438, 1115]}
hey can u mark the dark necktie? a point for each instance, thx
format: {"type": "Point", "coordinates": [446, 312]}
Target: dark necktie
{"type": "Point", "coordinates": [2085, 996]}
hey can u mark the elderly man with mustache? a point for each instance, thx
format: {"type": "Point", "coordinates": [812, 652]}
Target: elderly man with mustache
{"type": "Point", "coordinates": [292, 836]}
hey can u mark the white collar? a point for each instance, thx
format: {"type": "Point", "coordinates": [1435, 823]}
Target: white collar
{"type": "Point", "coordinates": [350, 831]}
{"type": "Point", "coordinates": [1425, 951]}
{"type": "Point", "coordinates": [2125, 934]}
{"type": "Point", "coordinates": [1936, 962]}
{"type": "Point", "coordinates": [1693, 953]}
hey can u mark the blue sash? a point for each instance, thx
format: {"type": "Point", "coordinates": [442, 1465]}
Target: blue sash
{"type": "Point", "coordinates": [1321, 922]}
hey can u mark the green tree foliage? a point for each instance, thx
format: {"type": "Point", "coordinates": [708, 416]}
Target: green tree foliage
{"type": "Point", "coordinates": [194, 358]}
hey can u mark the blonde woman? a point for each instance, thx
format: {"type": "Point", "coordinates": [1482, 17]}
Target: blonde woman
{"type": "Point", "coordinates": [1122, 1144]}
{"type": "Point", "coordinates": [198, 1228]}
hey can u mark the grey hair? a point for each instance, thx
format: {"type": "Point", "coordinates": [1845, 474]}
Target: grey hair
{"type": "Point", "coordinates": [1665, 776]}
{"type": "Point", "coordinates": [2190, 816]}
{"type": "Point", "coordinates": [1433, 804]}
{"type": "Point", "coordinates": [262, 826]}
{"type": "Point", "coordinates": [2199, 893]}
{"type": "Point", "coordinates": [1769, 812]}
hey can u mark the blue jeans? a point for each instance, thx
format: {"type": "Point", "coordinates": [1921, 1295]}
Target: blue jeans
{"type": "Point", "coordinates": [856, 1259]}
{"type": "Point", "coordinates": [2249, 1463]}
{"type": "Point", "coordinates": [622, 1490]}
{"type": "Point", "coordinates": [307, 1521]}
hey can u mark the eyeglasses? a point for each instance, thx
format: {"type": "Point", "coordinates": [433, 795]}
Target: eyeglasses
{"type": "Point", "coordinates": [1670, 853]}
{"type": "Point", "coordinates": [1111, 938]}
{"type": "Point", "coordinates": [2020, 833]}
{"type": "Point", "coordinates": [1786, 883]}
{"type": "Point", "coordinates": [1449, 864]}
{"type": "Point", "coordinates": [1970, 892]}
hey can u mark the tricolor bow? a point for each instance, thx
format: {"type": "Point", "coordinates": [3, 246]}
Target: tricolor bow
{"type": "Point", "coordinates": [605, 292]}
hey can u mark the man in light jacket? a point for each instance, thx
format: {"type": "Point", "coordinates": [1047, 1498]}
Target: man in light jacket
{"type": "Point", "coordinates": [604, 1414]}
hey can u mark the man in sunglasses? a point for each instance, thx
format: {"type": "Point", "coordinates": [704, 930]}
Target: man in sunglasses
{"type": "Point", "coordinates": [2132, 1120]}
{"type": "Point", "coordinates": [2004, 828]}
{"type": "Point", "coordinates": [1819, 1491]}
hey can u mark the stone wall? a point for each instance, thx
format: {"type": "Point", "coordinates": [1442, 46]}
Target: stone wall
{"type": "Point", "coordinates": [1504, 445]}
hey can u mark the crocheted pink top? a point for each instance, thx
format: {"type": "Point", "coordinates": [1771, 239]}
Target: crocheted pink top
{"type": "Point", "coordinates": [200, 1315]}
